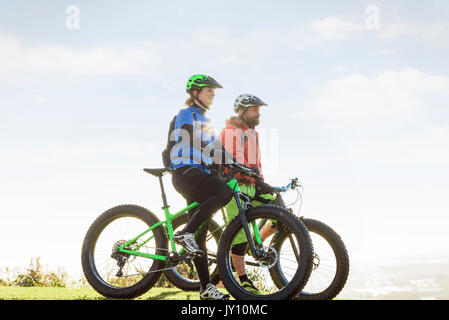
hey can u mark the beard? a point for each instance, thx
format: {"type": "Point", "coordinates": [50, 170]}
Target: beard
{"type": "Point", "coordinates": [252, 122]}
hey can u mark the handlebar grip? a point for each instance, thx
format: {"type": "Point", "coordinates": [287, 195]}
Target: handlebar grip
{"type": "Point", "coordinates": [241, 168]}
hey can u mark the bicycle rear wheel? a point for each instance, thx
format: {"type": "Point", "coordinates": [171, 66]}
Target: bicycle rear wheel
{"type": "Point", "coordinates": [184, 275]}
{"type": "Point", "coordinates": [117, 274]}
{"type": "Point", "coordinates": [330, 264]}
{"type": "Point", "coordinates": [258, 270]}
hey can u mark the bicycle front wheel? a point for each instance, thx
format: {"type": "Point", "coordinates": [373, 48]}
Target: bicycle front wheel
{"type": "Point", "coordinates": [116, 274]}
{"type": "Point", "coordinates": [258, 270]}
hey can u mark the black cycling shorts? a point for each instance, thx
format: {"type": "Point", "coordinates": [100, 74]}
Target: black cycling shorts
{"type": "Point", "coordinates": [197, 185]}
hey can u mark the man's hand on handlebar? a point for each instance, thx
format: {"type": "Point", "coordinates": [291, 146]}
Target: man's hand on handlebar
{"type": "Point", "coordinates": [238, 167]}
{"type": "Point", "coordinates": [264, 188]}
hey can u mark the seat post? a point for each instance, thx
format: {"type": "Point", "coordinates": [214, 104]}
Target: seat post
{"type": "Point", "coordinates": [164, 197]}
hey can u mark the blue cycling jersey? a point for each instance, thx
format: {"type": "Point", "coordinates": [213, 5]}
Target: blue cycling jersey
{"type": "Point", "coordinates": [191, 133]}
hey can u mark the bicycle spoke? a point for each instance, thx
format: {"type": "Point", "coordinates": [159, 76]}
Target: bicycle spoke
{"type": "Point", "coordinates": [259, 269]}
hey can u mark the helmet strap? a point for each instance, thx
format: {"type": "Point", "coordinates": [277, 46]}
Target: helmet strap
{"type": "Point", "coordinates": [202, 105]}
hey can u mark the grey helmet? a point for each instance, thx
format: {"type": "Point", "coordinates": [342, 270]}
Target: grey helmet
{"type": "Point", "coordinates": [245, 100]}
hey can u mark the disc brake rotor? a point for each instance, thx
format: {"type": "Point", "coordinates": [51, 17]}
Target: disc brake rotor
{"type": "Point", "coordinates": [269, 259]}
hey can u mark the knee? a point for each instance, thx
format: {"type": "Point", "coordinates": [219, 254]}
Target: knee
{"type": "Point", "coordinates": [239, 249]}
{"type": "Point", "coordinates": [222, 195]}
{"type": "Point", "coordinates": [227, 195]}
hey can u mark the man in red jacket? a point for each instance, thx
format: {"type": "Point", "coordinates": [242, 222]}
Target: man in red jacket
{"type": "Point", "coordinates": [240, 139]}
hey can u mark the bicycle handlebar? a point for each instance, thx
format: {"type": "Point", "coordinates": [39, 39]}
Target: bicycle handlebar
{"type": "Point", "coordinates": [293, 184]}
{"type": "Point", "coordinates": [237, 167]}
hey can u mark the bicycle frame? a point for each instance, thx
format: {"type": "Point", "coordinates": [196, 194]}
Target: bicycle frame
{"type": "Point", "coordinates": [169, 217]}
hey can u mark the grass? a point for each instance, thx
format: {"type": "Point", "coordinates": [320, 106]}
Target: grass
{"type": "Point", "coordinates": [39, 293]}
{"type": "Point", "coordinates": [38, 283]}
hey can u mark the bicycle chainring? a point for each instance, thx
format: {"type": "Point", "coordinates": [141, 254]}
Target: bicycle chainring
{"type": "Point", "coordinates": [316, 261]}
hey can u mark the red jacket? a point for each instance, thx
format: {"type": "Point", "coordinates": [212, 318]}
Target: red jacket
{"type": "Point", "coordinates": [243, 143]}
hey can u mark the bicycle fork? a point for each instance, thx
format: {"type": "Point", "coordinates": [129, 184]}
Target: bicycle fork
{"type": "Point", "coordinates": [254, 251]}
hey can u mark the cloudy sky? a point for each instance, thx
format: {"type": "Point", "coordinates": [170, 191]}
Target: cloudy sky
{"type": "Point", "coordinates": [357, 95]}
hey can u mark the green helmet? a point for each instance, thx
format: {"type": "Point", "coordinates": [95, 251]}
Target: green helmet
{"type": "Point", "coordinates": [198, 81]}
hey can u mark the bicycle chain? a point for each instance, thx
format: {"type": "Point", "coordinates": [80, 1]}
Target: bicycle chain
{"type": "Point", "coordinates": [158, 270]}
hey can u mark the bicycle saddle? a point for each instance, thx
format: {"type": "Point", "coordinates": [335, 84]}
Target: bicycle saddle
{"type": "Point", "coordinates": [157, 172]}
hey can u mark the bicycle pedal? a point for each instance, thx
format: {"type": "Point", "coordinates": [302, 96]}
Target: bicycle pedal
{"type": "Point", "coordinates": [187, 256]}
{"type": "Point", "coordinates": [197, 255]}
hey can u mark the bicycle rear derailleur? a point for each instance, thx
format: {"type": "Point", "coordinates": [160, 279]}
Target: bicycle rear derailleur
{"type": "Point", "coordinates": [121, 257]}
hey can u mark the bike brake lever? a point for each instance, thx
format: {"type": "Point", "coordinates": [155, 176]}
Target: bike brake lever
{"type": "Point", "coordinates": [294, 183]}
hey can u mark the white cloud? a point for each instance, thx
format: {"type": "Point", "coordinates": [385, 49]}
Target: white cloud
{"type": "Point", "coordinates": [394, 30]}
{"type": "Point", "coordinates": [18, 60]}
{"type": "Point", "coordinates": [334, 28]}
{"type": "Point", "coordinates": [359, 97]}
{"type": "Point", "coordinates": [429, 147]}
{"type": "Point", "coordinates": [221, 47]}
{"type": "Point", "coordinates": [435, 31]}
{"type": "Point", "coordinates": [395, 117]}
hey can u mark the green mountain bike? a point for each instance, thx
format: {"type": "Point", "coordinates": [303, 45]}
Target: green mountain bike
{"type": "Point", "coordinates": [330, 263]}
{"type": "Point", "coordinates": [127, 248]}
